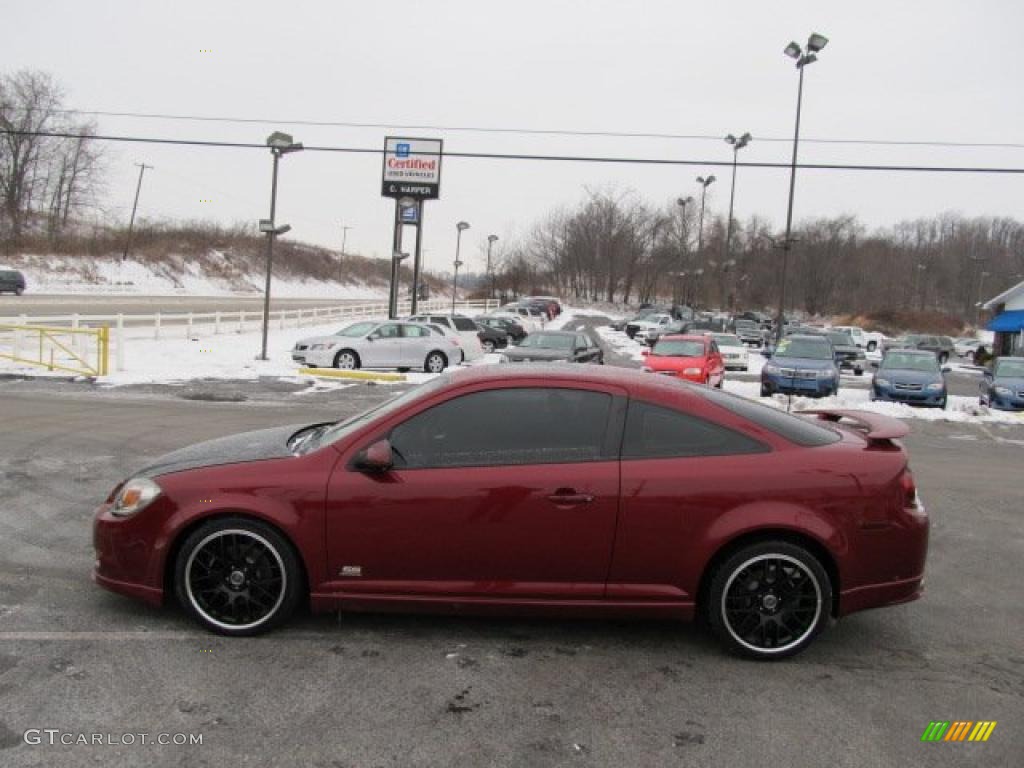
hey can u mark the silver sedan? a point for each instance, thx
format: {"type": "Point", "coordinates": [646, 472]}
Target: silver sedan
{"type": "Point", "coordinates": [381, 344]}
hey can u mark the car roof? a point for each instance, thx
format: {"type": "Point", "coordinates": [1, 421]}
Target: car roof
{"type": "Point", "coordinates": [685, 337]}
{"type": "Point", "coordinates": [911, 351]}
{"type": "Point", "coordinates": [807, 337]}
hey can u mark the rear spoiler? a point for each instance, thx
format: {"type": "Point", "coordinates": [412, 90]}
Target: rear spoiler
{"type": "Point", "coordinates": [875, 427]}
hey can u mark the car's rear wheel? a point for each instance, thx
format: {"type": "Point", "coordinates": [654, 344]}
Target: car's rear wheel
{"type": "Point", "coordinates": [765, 392]}
{"type": "Point", "coordinates": [943, 358]}
{"type": "Point", "coordinates": [435, 363]}
{"type": "Point", "coordinates": [872, 346]}
{"type": "Point", "coordinates": [237, 576]}
{"type": "Point", "coordinates": [488, 346]}
{"type": "Point", "coordinates": [769, 600]}
{"type": "Point", "coordinates": [346, 360]}
{"type": "Point", "coordinates": [18, 291]}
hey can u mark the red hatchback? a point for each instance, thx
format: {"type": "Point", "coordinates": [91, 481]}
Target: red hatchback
{"type": "Point", "coordinates": [692, 358]}
{"type": "Point", "coordinates": [541, 490]}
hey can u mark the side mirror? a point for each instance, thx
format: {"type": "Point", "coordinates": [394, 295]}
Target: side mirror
{"type": "Point", "coordinates": [645, 352]}
{"type": "Point", "coordinates": [376, 458]}
{"type": "Point", "coordinates": [947, 369]}
{"type": "Point", "coordinates": [372, 337]}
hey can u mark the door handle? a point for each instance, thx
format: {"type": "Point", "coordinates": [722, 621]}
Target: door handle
{"type": "Point", "coordinates": [570, 498]}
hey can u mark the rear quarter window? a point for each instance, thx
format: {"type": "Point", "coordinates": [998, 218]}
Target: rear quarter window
{"type": "Point", "coordinates": [795, 429]}
{"type": "Point", "coordinates": [464, 324]}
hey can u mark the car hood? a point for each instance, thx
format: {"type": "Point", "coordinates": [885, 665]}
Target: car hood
{"type": "Point", "coordinates": [805, 363]}
{"type": "Point", "coordinates": [248, 446]}
{"type": "Point", "coordinates": [907, 376]}
{"type": "Point", "coordinates": [309, 341]}
{"type": "Point", "coordinates": [537, 353]}
{"type": "Point", "coordinates": [1016, 383]}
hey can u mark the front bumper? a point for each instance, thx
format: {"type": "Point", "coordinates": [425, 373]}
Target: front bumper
{"type": "Point", "coordinates": [126, 560]}
{"type": "Point", "coordinates": [922, 397]}
{"type": "Point", "coordinates": [1006, 402]}
{"type": "Point", "coordinates": [810, 387]}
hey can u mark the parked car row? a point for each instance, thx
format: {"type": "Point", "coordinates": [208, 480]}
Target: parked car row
{"type": "Point", "coordinates": [13, 281]}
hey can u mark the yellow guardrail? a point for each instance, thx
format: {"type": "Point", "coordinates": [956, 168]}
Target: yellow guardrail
{"type": "Point", "coordinates": [85, 351]}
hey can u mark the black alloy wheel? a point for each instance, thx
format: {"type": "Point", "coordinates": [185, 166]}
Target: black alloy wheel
{"type": "Point", "coordinates": [237, 576]}
{"type": "Point", "coordinates": [769, 600]}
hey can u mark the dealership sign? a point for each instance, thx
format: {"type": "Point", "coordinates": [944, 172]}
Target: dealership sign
{"type": "Point", "coordinates": [412, 168]}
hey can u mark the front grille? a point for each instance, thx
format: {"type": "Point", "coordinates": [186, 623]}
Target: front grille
{"type": "Point", "coordinates": [302, 346]}
{"type": "Point", "coordinates": [908, 387]}
{"type": "Point", "coordinates": [793, 373]}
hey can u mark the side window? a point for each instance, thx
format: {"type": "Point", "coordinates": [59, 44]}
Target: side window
{"type": "Point", "coordinates": [653, 431]}
{"type": "Point", "coordinates": [552, 426]}
{"type": "Point", "coordinates": [440, 321]}
{"type": "Point", "coordinates": [581, 341]}
{"type": "Point", "coordinates": [390, 331]}
{"type": "Point", "coordinates": [414, 332]}
{"type": "Point", "coordinates": [464, 324]}
{"type": "Point", "coordinates": [712, 348]}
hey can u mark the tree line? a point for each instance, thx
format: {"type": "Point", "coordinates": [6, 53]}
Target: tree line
{"type": "Point", "coordinates": [45, 182]}
{"type": "Point", "coordinates": [616, 247]}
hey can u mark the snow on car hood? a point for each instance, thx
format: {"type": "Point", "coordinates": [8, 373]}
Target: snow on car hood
{"type": "Point", "coordinates": [248, 446]}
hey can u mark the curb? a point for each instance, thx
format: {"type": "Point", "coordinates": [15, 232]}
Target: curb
{"type": "Point", "coordinates": [334, 373]}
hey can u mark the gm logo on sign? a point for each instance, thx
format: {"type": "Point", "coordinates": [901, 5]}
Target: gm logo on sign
{"type": "Point", "coordinates": [958, 730]}
{"type": "Point", "coordinates": [402, 150]}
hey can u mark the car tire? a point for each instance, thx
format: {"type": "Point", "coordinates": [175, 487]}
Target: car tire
{"type": "Point", "coordinates": [942, 405]}
{"type": "Point", "coordinates": [346, 360]}
{"type": "Point", "coordinates": [436, 362]}
{"type": "Point", "coordinates": [488, 346]}
{"type": "Point", "coordinates": [943, 358]}
{"type": "Point", "coordinates": [858, 371]}
{"type": "Point", "coordinates": [255, 552]}
{"type": "Point", "coordinates": [18, 291]}
{"type": "Point", "coordinates": [746, 610]}
{"type": "Point", "coordinates": [872, 346]}
{"type": "Point", "coordinates": [765, 392]}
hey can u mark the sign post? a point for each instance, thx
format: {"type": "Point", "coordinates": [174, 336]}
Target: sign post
{"type": "Point", "coordinates": [411, 173]}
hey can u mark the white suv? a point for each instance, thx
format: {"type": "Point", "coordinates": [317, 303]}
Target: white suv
{"type": "Point", "coordinates": [464, 326]}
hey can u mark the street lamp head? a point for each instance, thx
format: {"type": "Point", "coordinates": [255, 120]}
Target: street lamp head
{"type": "Point", "coordinates": [279, 140]}
{"type": "Point", "coordinates": [793, 50]}
{"type": "Point", "coordinates": [682, 202]}
{"type": "Point", "coordinates": [745, 139]}
{"type": "Point", "coordinates": [809, 58]}
{"type": "Point", "coordinates": [492, 238]}
{"type": "Point", "coordinates": [458, 264]}
{"type": "Point", "coordinates": [706, 182]}
{"type": "Point", "coordinates": [730, 139]}
{"type": "Point", "coordinates": [816, 42]}
{"type": "Point", "coordinates": [462, 225]}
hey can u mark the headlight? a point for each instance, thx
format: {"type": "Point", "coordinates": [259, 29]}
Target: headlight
{"type": "Point", "coordinates": [693, 371]}
{"type": "Point", "coordinates": [882, 382]}
{"type": "Point", "coordinates": [1003, 391]}
{"type": "Point", "coordinates": [135, 495]}
{"type": "Point", "coordinates": [322, 346]}
{"type": "Point", "coordinates": [772, 369]}
{"type": "Point", "coordinates": [936, 387]}
{"type": "Point", "coordinates": [826, 373]}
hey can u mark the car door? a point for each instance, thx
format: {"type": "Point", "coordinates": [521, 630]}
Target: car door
{"type": "Point", "coordinates": [507, 491]}
{"type": "Point", "coordinates": [416, 344]}
{"type": "Point", "coordinates": [383, 347]}
{"type": "Point", "coordinates": [716, 365]}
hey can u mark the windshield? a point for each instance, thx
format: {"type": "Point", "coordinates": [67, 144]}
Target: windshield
{"type": "Point", "coordinates": [1010, 367]}
{"type": "Point", "coordinates": [678, 348]}
{"type": "Point", "coordinates": [810, 350]}
{"type": "Point", "coordinates": [548, 341]}
{"type": "Point", "coordinates": [340, 429]}
{"type": "Point", "coordinates": [842, 339]}
{"type": "Point", "coordinates": [727, 340]}
{"type": "Point", "coordinates": [908, 362]}
{"type": "Point", "coordinates": [356, 329]}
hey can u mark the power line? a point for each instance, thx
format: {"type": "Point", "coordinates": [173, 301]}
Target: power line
{"type": "Point", "coordinates": [537, 131]}
{"type": "Point", "coordinates": [548, 158]}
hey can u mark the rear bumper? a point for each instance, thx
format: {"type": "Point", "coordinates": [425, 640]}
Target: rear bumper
{"type": "Point", "coordinates": [880, 595]}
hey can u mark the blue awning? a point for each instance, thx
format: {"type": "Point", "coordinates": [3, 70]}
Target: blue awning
{"type": "Point", "coordinates": [1008, 322]}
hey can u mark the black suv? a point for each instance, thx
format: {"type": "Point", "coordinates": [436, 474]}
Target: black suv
{"type": "Point", "coordinates": [12, 280]}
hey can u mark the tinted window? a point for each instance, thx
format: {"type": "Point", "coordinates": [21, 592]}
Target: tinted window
{"type": "Point", "coordinates": [549, 426]}
{"type": "Point", "coordinates": [389, 331]}
{"type": "Point", "coordinates": [464, 324]}
{"type": "Point", "coordinates": [808, 349]}
{"type": "Point", "coordinates": [357, 329]}
{"type": "Point", "coordinates": [656, 432]}
{"type": "Point", "coordinates": [793, 428]}
{"type": "Point", "coordinates": [582, 341]}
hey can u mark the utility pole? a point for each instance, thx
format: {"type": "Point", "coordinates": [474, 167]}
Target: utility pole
{"type": "Point", "coordinates": [344, 239]}
{"type": "Point", "coordinates": [131, 222]}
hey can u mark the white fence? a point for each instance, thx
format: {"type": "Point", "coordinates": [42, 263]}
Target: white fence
{"type": "Point", "coordinates": [186, 325]}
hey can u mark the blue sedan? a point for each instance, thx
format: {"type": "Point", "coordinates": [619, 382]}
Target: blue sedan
{"type": "Point", "coordinates": [1003, 385]}
{"type": "Point", "coordinates": [910, 376]}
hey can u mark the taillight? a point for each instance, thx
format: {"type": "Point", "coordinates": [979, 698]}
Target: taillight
{"type": "Point", "coordinates": [909, 489]}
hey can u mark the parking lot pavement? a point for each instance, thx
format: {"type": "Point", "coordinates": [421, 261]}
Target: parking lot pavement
{"type": "Point", "coordinates": [368, 690]}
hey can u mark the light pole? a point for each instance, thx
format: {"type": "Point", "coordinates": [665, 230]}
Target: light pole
{"type": "Point", "coordinates": [737, 145]}
{"type": "Point", "coordinates": [460, 227]}
{"type": "Point", "coordinates": [280, 144]}
{"type": "Point", "coordinates": [682, 202]}
{"type": "Point", "coordinates": [491, 240]}
{"type": "Point", "coordinates": [815, 43]}
{"type": "Point", "coordinates": [131, 221]}
{"type": "Point", "coordinates": [704, 183]}
{"type": "Point", "coordinates": [977, 305]}
{"type": "Point", "coordinates": [344, 240]}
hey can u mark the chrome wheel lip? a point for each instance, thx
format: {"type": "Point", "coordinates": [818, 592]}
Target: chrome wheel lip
{"type": "Point", "coordinates": [811, 625]}
{"type": "Point", "coordinates": [431, 363]}
{"type": "Point", "coordinates": [346, 356]}
{"type": "Point", "coordinates": [222, 624]}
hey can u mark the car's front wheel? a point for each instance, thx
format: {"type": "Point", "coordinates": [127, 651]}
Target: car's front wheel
{"type": "Point", "coordinates": [488, 346]}
{"type": "Point", "coordinates": [943, 358]}
{"type": "Point", "coordinates": [872, 346]}
{"type": "Point", "coordinates": [237, 576]}
{"type": "Point", "coordinates": [769, 600]}
{"type": "Point", "coordinates": [346, 360]}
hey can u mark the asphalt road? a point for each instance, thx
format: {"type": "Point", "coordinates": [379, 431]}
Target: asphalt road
{"type": "Point", "coordinates": [424, 691]}
{"type": "Point", "coordinates": [35, 304]}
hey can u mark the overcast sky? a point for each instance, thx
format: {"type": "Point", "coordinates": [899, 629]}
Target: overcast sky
{"type": "Point", "coordinates": [946, 70]}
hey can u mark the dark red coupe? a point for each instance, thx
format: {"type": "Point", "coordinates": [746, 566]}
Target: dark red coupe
{"type": "Point", "coordinates": [542, 490]}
